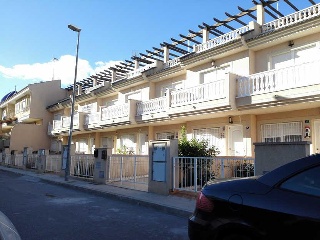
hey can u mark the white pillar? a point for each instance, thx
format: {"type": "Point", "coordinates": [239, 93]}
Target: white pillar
{"type": "Point", "coordinates": [113, 75]}
{"type": "Point", "coordinates": [79, 89]}
{"type": "Point", "coordinates": [260, 14]}
{"type": "Point", "coordinates": [205, 35]}
{"type": "Point", "coordinates": [165, 54]}
{"type": "Point", "coordinates": [136, 64]}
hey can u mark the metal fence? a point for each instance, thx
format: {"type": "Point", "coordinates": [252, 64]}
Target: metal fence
{"type": "Point", "coordinates": [18, 160]}
{"type": "Point", "coordinates": [82, 165]}
{"type": "Point", "coordinates": [53, 163]}
{"type": "Point", "coordinates": [32, 161]}
{"type": "Point", "coordinates": [191, 173]}
{"type": "Point", "coordinates": [129, 168]}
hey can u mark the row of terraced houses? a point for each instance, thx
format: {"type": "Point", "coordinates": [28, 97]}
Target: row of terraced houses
{"type": "Point", "coordinates": [239, 81]}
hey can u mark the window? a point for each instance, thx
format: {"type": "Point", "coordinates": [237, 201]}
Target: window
{"type": "Point", "coordinates": [307, 182]}
{"type": "Point", "coordinates": [88, 108]}
{"type": "Point", "coordinates": [209, 134]}
{"type": "Point", "coordinates": [82, 146]}
{"type": "Point", "coordinates": [282, 132]}
{"type": "Point", "coordinates": [167, 135]}
{"type": "Point", "coordinates": [173, 86]}
{"type": "Point", "coordinates": [294, 57]}
{"type": "Point", "coordinates": [213, 75]}
{"type": "Point", "coordinates": [128, 142]}
{"type": "Point", "coordinates": [133, 95]}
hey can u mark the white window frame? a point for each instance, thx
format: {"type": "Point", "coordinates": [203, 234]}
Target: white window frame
{"type": "Point", "coordinates": [167, 135]}
{"type": "Point", "coordinates": [282, 132]}
{"type": "Point", "coordinates": [172, 86]}
{"type": "Point", "coordinates": [315, 46]}
{"type": "Point", "coordinates": [136, 95]}
{"type": "Point", "coordinates": [212, 135]}
{"type": "Point", "coordinates": [217, 71]}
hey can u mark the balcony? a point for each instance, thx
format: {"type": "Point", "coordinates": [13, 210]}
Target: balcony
{"type": "Point", "coordinates": [204, 98]}
{"type": "Point", "coordinates": [92, 121]}
{"type": "Point", "coordinates": [152, 110]}
{"type": "Point", "coordinates": [298, 83]}
{"type": "Point", "coordinates": [118, 114]}
{"type": "Point", "coordinates": [218, 41]}
{"type": "Point", "coordinates": [23, 114]}
{"type": "Point", "coordinates": [62, 125]}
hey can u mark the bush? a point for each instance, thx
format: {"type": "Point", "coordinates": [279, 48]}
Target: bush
{"type": "Point", "coordinates": [196, 148]}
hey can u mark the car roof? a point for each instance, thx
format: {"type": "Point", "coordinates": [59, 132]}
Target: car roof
{"type": "Point", "coordinates": [277, 175]}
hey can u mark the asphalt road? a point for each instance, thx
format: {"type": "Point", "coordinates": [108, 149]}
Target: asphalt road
{"type": "Point", "coordinates": [43, 211]}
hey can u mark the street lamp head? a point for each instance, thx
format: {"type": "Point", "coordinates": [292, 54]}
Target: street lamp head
{"type": "Point", "coordinates": [74, 28]}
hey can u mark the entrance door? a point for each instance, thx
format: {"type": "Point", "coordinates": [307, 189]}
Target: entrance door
{"type": "Point", "coordinates": [316, 133]}
{"type": "Point", "coordinates": [235, 141]}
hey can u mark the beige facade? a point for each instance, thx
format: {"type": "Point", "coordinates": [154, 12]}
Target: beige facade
{"type": "Point", "coordinates": [258, 83]}
{"type": "Point", "coordinates": [25, 117]}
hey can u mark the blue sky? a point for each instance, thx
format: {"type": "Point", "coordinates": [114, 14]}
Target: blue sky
{"type": "Point", "coordinates": [34, 32]}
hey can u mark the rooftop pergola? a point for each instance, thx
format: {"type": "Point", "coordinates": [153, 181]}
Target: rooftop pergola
{"type": "Point", "coordinates": [181, 47]}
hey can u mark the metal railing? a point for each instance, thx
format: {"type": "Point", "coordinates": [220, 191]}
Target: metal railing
{"type": "Point", "coordinates": [32, 161]}
{"type": "Point", "coordinates": [129, 168]}
{"type": "Point", "coordinates": [82, 165]}
{"type": "Point", "coordinates": [192, 173]}
{"type": "Point", "coordinates": [18, 160]}
{"type": "Point", "coordinates": [53, 163]}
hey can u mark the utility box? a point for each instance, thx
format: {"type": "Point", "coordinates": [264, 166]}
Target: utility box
{"type": "Point", "coordinates": [101, 164]}
{"type": "Point", "coordinates": [161, 153]}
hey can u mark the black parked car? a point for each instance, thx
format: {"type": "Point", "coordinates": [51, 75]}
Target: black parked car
{"type": "Point", "coordinates": [281, 204]}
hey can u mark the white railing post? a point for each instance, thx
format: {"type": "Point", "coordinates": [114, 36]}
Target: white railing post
{"type": "Point", "coordinates": [135, 169]}
{"type": "Point", "coordinates": [195, 174]}
{"type": "Point", "coordinates": [121, 168]}
{"type": "Point", "coordinates": [222, 168]}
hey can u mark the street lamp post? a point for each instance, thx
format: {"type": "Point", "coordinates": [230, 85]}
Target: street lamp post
{"type": "Point", "coordinates": [67, 169]}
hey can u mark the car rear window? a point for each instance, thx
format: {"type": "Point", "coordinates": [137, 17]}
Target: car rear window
{"type": "Point", "coordinates": [307, 182]}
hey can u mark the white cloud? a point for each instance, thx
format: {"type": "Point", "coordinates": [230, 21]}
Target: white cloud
{"type": "Point", "coordinates": [63, 69]}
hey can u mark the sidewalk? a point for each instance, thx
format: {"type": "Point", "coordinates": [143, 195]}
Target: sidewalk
{"type": "Point", "coordinates": [177, 204]}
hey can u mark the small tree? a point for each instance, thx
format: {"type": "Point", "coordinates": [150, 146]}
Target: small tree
{"type": "Point", "coordinates": [196, 148]}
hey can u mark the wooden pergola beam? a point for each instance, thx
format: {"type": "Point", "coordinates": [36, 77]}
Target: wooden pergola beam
{"type": "Point", "coordinates": [181, 42]}
{"type": "Point", "coordinates": [224, 23]}
{"type": "Point", "coordinates": [235, 18]}
{"type": "Point", "coordinates": [189, 38]}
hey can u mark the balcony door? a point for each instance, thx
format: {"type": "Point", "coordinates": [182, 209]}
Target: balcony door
{"type": "Point", "coordinates": [235, 141]}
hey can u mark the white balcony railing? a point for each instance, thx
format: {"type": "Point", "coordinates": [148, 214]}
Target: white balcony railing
{"type": "Point", "coordinates": [57, 124]}
{"type": "Point", "coordinates": [151, 106]}
{"type": "Point", "coordinates": [116, 111]}
{"type": "Point", "coordinates": [139, 71]}
{"type": "Point", "coordinates": [65, 121]}
{"type": "Point", "coordinates": [280, 79]}
{"type": "Point", "coordinates": [200, 93]}
{"type": "Point", "coordinates": [225, 38]}
{"type": "Point", "coordinates": [291, 19]}
{"type": "Point", "coordinates": [92, 118]}
{"type": "Point", "coordinates": [171, 63]}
